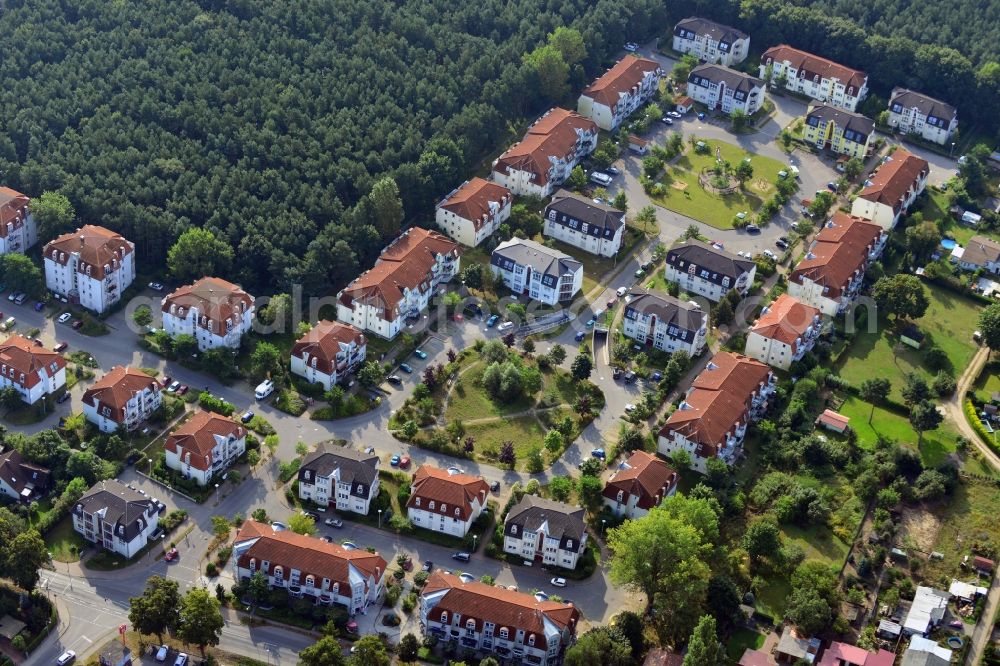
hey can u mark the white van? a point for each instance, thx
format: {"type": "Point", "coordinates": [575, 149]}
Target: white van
{"type": "Point", "coordinates": [264, 389]}
{"type": "Point", "coordinates": [600, 178]}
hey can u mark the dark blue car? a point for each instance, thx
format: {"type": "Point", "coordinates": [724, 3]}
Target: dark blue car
{"type": "Point", "coordinates": [492, 321]}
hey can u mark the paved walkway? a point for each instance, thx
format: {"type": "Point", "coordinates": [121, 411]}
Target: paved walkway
{"type": "Point", "coordinates": [955, 407]}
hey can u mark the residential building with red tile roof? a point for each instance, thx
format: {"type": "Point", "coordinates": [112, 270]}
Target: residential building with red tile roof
{"type": "Point", "coordinates": [544, 158]}
{"type": "Point", "coordinates": [328, 353]}
{"type": "Point", "coordinates": [891, 190]}
{"type": "Point", "coordinates": [474, 211]}
{"type": "Point", "coordinates": [830, 274]}
{"type": "Point", "coordinates": [814, 76]}
{"type": "Point", "coordinates": [844, 654]}
{"type": "Point", "coordinates": [510, 624]}
{"type": "Point", "coordinates": [834, 421]}
{"type": "Point", "coordinates": [640, 484]}
{"type": "Point", "coordinates": [785, 331]}
{"type": "Point", "coordinates": [912, 112]}
{"type": "Point", "coordinates": [204, 446]}
{"type": "Point", "coordinates": [123, 398]}
{"type": "Point", "coordinates": [712, 420]}
{"type": "Point", "coordinates": [309, 567]}
{"type": "Point", "coordinates": [619, 91]}
{"type": "Point", "coordinates": [216, 312]}
{"type": "Point", "coordinates": [444, 501]}
{"type": "Point", "coordinates": [22, 480]}
{"type": "Point", "coordinates": [400, 284]}
{"type": "Point", "coordinates": [18, 229]}
{"type": "Point", "coordinates": [710, 41]}
{"type": "Point", "coordinates": [92, 266]}
{"type": "Point", "coordinates": [32, 370]}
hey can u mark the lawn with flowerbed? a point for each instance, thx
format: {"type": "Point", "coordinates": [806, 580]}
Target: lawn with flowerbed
{"type": "Point", "coordinates": [685, 195]}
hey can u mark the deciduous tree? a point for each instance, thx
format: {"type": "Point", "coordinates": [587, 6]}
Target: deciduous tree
{"type": "Point", "coordinates": [201, 620]}
{"type": "Point", "coordinates": [156, 610]}
{"type": "Point", "coordinates": [197, 253]}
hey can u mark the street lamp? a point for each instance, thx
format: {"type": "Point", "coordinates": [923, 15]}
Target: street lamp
{"type": "Point", "coordinates": [475, 539]}
{"type": "Point", "coordinates": [604, 530]}
{"type": "Point", "coordinates": [952, 149]}
{"type": "Point", "coordinates": [380, 518]}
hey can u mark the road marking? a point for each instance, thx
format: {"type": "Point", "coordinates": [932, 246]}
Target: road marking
{"type": "Point", "coordinates": [87, 639]}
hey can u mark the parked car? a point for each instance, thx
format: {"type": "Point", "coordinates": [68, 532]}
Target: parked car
{"type": "Point", "coordinates": [63, 398]}
{"type": "Point", "coordinates": [781, 244]}
{"type": "Point", "coordinates": [832, 187]}
{"type": "Point", "coordinates": [420, 353]}
{"type": "Point", "coordinates": [580, 335]}
{"type": "Point", "coordinates": [77, 323]}
{"type": "Point", "coordinates": [770, 255]}
{"type": "Point", "coordinates": [631, 47]}
{"type": "Point", "coordinates": [334, 522]}
{"type": "Point", "coordinates": [558, 582]}
{"type": "Point", "coordinates": [278, 526]}
{"type": "Point", "coordinates": [656, 376]}
{"type": "Point", "coordinates": [599, 454]}
{"type": "Point", "coordinates": [506, 326]}
{"type": "Point", "coordinates": [165, 382]}
{"type": "Point", "coordinates": [492, 321]}
{"type": "Point", "coordinates": [66, 657]}
{"type": "Point", "coordinates": [639, 274]}
{"type": "Point", "coordinates": [404, 462]}
{"type": "Point", "coordinates": [182, 660]}
{"type": "Point", "coordinates": [495, 486]}
{"type": "Point", "coordinates": [616, 373]}
{"type": "Point", "coordinates": [674, 114]}
{"type": "Point", "coordinates": [173, 387]}
{"type": "Point", "coordinates": [39, 306]}
{"type": "Point", "coordinates": [783, 239]}
{"type": "Point", "coordinates": [21, 298]}
{"type": "Point", "coordinates": [394, 461]}
{"type": "Point", "coordinates": [611, 303]}
{"type": "Point", "coordinates": [629, 407]}
{"type": "Point", "coordinates": [311, 514]}
{"type": "Point", "coordinates": [172, 555]}
{"type": "Point", "coordinates": [428, 565]}
{"type": "Point", "coordinates": [394, 379]}
{"type": "Point", "coordinates": [182, 389]}
{"type": "Point", "coordinates": [701, 115]}
{"type": "Point", "coordinates": [161, 654]}
{"type": "Point", "coordinates": [629, 377]}
{"type": "Point", "coordinates": [264, 389]}
{"type": "Point", "coordinates": [461, 556]}
{"type": "Point", "coordinates": [753, 229]}
{"type": "Point", "coordinates": [247, 416]}
{"type": "Point", "coordinates": [621, 291]}
{"type": "Point", "coordinates": [61, 347]}
{"type": "Point", "coordinates": [614, 171]}
{"type": "Point", "coordinates": [156, 286]}
{"type": "Point", "coordinates": [668, 121]}
{"type": "Point", "coordinates": [406, 367]}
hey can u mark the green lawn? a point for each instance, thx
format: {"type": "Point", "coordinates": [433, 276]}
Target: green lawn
{"type": "Point", "coordinates": [469, 401]}
{"type": "Point", "coordinates": [948, 323]}
{"type": "Point", "coordinates": [937, 444]}
{"type": "Point", "coordinates": [772, 598]}
{"type": "Point", "coordinates": [741, 640]}
{"type": "Point", "coordinates": [686, 196]}
{"type": "Point", "coordinates": [64, 542]}
{"type": "Point", "coordinates": [818, 542]}
{"type": "Point", "coordinates": [525, 431]}
{"type": "Point", "coordinates": [594, 266]}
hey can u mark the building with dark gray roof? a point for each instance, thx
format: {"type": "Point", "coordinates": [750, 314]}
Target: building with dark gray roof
{"type": "Point", "coordinates": [544, 274]}
{"type": "Point", "coordinates": [116, 517]}
{"type": "Point", "coordinates": [724, 89]}
{"type": "Point", "coordinates": [584, 223]}
{"type": "Point", "coordinates": [708, 271]}
{"type": "Point", "coordinates": [543, 530]}
{"type": "Point", "coordinates": [710, 41]}
{"type": "Point", "coordinates": [339, 476]}
{"type": "Point", "coordinates": [916, 113]}
{"type": "Point", "coordinates": [838, 130]}
{"type": "Point", "coordinates": [666, 323]}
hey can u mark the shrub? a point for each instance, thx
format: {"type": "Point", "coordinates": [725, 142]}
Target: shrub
{"type": "Point", "coordinates": [215, 404]}
{"type": "Point", "coordinates": [211, 570]}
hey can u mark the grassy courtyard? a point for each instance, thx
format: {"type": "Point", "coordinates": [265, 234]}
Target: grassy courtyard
{"type": "Point", "coordinates": [936, 446]}
{"type": "Point", "coordinates": [64, 542]}
{"type": "Point", "coordinates": [686, 196]}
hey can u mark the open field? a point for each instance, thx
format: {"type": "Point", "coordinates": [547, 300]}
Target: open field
{"type": "Point", "coordinates": [937, 444]}
{"type": "Point", "coordinates": [686, 196]}
{"type": "Point", "coordinates": [525, 431]}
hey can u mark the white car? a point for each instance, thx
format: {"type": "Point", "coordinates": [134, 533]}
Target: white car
{"type": "Point", "coordinates": [630, 407]}
{"type": "Point", "coordinates": [65, 317]}
{"type": "Point", "coordinates": [673, 114]}
{"type": "Point", "coordinates": [161, 654]}
{"type": "Point", "coordinates": [621, 291]}
{"type": "Point", "coordinates": [66, 657]}
{"type": "Point", "coordinates": [770, 255]}
{"type": "Point", "coordinates": [558, 582]}
{"type": "Point", "coordinates": [506, 326]}
{"type": "Point", "coordinates": [182, 659]}
{"type": "Point", "coordinates": [631, 47]}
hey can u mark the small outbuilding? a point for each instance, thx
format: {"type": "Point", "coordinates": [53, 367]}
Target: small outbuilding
{"type": "Point", "coordinates": [683, 104]}
{"type": "Point", "coordinates": [638, 144]}
{"type": "Point", "coordinates": [831, 420]}
{"type": "Point", "coordinates": [912, 336]}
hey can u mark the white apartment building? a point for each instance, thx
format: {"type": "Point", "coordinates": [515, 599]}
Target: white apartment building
{"type": "Point", "coordinates": [518, 627]}
{"type": "Point", "coordinates": [116, 517]}
{"type": "Point", "coordinates": [821, 79]}
{"type": "Point", "coordinates": [474, 211]}
{"type": "Point", "coordinates": [123, 398]}
{"type": "Point", "coordinates": [340, 477]}
{"type": "Point", "coordinates": [216, 312]}
{"type": "Point", "coordinates": [445, 502]}
{"type": "Point", "coordinates": [890, 191]}
{"type": "Point", "coordinates": [545, 531]}
{"type": "Point", "coordinates": [665, 323]}
{"type": "Point", "coordinates": [31, 370]}
{"type": "Point", "coordinates": [786, 330]}
{"type": "Point", "coordinates": [723, 89]}
{"type": "Point", "coordinates": [546, 275]}
{"type": "Point", "coordinates": [639, 485]}
{"type": "Point", "coordinates": [916, 113]}
{"type": "Point", "coordinates": [830, 274]}
{"type": "Point", "coordinates": [620, 91]}
{"type": "Point", "coordinates": [92, 266]}
{"type": "Point", "coordinates": [18, 229]}
{"type": "Point", "coordinates": [711, 422]}
{"type": "Point", "coordinates": [328, 353]}
{"type": "Point", "coordinates": [579, 221]}
{"type": "Point", "coordinates": [544, 158]}
{"type": "Point", "coordinates": [204, 446]}
{"type": "Point", "coordinates": [400, 284]}
{"type": "Point", "coordinates": [710, 41]}
{"type": "Point", "coordinates": [704, 270]}
{"type": "Point", "coordinates": [307, 566]}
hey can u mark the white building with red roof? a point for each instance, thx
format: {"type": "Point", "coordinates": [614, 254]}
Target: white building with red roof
{"type": "Point", "coordinates": [31, 370]}
{"type": "Point", "coordinates": [205, 445]}
{"type": "Point", "coordinates": [815, 77]}
{"type": "Point", "coordinates": [639, 485]}
{"type": "Point", "coordinates": [621, 90]}
{"type": "Point", "coordinates": [400, 284]}
{"type": "Point", "coordinates": [891, 190]}
{"type": "Point", "coordinates": [123, 398]}
{"type": "Point", "coordinates": [474, 211]}
{"type": "Point", "coordinates": [544, 158]}
{"type": "Point", "coordinates": [216, 312]}
{"type": "Point", "coordinates": [92, 266]}
{"type": "Point", "coordinates": [830, 274]}
{"type": "Point", "coordinates": [308, 567]}
{"type": "Point", "coordinates": [444, 501]}
{"type": "Point", "coordinates": [328, 353]}
{"type": "Point", "coordinates": [18, 229]}
{"type": "Point", "coordinates": [513, 625]}
{"type": "Point", "coordinates": [784, 332]}
{"type": "Point", "coordinates": [712, 420]}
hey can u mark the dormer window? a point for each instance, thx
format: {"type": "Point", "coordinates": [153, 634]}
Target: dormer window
{"type": "Point", "coordinates": [431, 505]}
{"type": "Point", "coordinates": [513, 529]}
{"type": "Point", "coordinates": [458, 512]}
{"type": "Point", "coordinates": [504, 633]}
{"type": "Point", "coordinates": [621, 495]}
{"type": "Point", "coordinates": [444, 617]}
{"type": "Point", "coordinates": [569, 543]}
{"type": "Point", "coordinates": [531, 640]}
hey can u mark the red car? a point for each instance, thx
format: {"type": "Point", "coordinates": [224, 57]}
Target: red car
{"type": "Point", "coordinates": [404, 462]}
{"type": "Point", "coordinates": [182, 389]}
{"type": "Point", "coordinates": [165, 382]}
{"type": "Point", "coordinates": [77, 323]}
{"type": "Point", "coordinates": [171, 555]}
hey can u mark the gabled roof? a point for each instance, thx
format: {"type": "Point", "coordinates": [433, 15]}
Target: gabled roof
{"type": "Point", "coordinates": [504, 608]}
{"type": "Point", "coordinates": [685, 315]}
{"type": "Point", "coordinates": [557, 520]}
{"type": "Point", "coordinates": [354, 467]}
{"type": "Point", "coordinates": [20, 474]}
{"type": "Point", "coordinates": [644, 476]}
{"type": "Point", "coordinates": [122, 507]}
{"type": "Point", "coordinates": [306, 554]}
{"type": "Point", "coordinates": [325, 340]}
{"type": "Point", "coordinates": [703, 255]}
{"type": "Point", "coordinates": [27, 359]}
{"type": "Point", "coordinates": [627, 74]}
{"type": "Point", "coordinates": [844, 654]}
{"type": "Point", "coordinates": [846, 120]}
{"type": "Point", "coordinates": [703, 26]}
{"type": "Point", "coordinates": [734, 79]}
{"type": "Point", "coordinates": [197, 436]}
{"type": "Point", "coordinates": [447, 491]}
{"type": "Point", "coordinates": [981, 250]}
{"type": "Point", "coordinates": [815, 65]}
{"type": "Point", "coordinates": [719, 398]}
{"type": "Point", "coordinates": [13, 209]}
{"type": "Point", "coordinates": [785, 320]}
{"type": "Point", "coordinates": [116, 388]}
{"type": "Point", "coordinates": [216, 300]}
{"type": "Point", "coordinates": [543, 260]}
{"type": "Point", "coordinates": [602, 220]}
{"type": "Point", "coordinates": [925, 104]}
{"type": "Point", "coordinates": [553, 136]}
{"type": "Point", "coordinates": [928, 609]}
{"type": "Point", "coordinates": [475, 200]}
{"type": "Point", "coordinates": [833, 419]}
{"type": "Point", "coordinates": [894, 178]}
{"type": "Point", "coordinates": [100, 249]}
{"type": "Point", "coordinates": [840, 249]}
